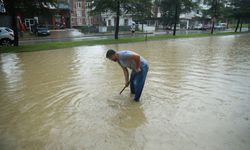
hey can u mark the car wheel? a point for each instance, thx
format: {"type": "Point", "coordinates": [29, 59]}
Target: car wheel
{"type": "Point", "coordinates": [6, 42]}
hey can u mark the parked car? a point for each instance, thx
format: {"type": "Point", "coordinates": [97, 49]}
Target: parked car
{"type": "Point", "coordinates": [6, 36]}
{"type": "Point", "coordinates": [221, 26]}
{"type": "Point", "coordinates": [42, 30]}
{"type": "Point", "coordinates": [178, 27]}
{"type": "Point", "coordinates": [206, 27]}
{"type": "Point", "coordinates": [198, 27]}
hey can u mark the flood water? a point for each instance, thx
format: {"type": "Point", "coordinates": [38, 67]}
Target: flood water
{"type": "Point", "coordinates": [196, 97]}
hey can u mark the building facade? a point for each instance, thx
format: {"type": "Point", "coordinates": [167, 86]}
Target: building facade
{"type": "Point", "coordinates": [109, 19]}
{"type": "Point", "coordinates": [80, 13]}
{"type": "Point", "coordinates": [187, 20]}
{"type": "Point", "coordinates": [61, 15]}
{"type": "Point", "coordinates": [57, 16]}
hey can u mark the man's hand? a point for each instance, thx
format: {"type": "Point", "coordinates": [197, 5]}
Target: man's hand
{"type": "Point", "coordinates": [127, 83]}
{"type": "Point", "coordinates": [138, 70]}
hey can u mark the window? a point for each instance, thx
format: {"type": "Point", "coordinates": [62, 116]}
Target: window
{"type": "Point", "coordinates": [109, 23]}
{"type": "Point", "coordinates": [78, 4]}
{"type": "Point", "coordinates": [79, 21]}
{"type": "Point", "coordinates": [126, 22]}
{"type": "Point", "coordinates": [78, 13]}
{"type": "Point", "coordinates": [88, 4]}
{"type": "Point", "coordinates": [31, 21]}
{"type": "Point", "coordinates": [8, 30]}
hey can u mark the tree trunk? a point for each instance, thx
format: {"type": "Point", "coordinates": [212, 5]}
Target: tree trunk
{"type": "Point", "coordinates": [12, 12]}
{"type": "Point", "coordinates": [240, 25]}
{"type": "Point", "coordinates": [227, 24]}
{"type": "Point", "coordinates": [212, 29]}
{"type": "Point", "coordinates": [215, 5]}
{"type": "Point", "coordinates": [117, 20]}
{"type": "Point", "coordinates": [237, 26]}
{"type": "Point", "coordinates": [175, 18]}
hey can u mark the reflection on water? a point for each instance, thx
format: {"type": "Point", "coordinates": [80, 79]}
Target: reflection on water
{"type": "Point", "coordinates": [196, 97]}
{"type": "Point", "coordinates": [129, 116]}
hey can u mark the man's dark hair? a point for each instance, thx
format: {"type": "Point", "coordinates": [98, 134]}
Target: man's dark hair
{"type": "Point", "coordinates": [109, 53]}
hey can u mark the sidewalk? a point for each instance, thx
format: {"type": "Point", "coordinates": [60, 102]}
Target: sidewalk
{"type": "Point", "coordinates": [73, 33]}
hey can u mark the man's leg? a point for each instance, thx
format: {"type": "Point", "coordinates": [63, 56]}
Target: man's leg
{"type": "Point", "coordinates": [132, 85]}
{"type": "Point", "coordinates": [139, 83]}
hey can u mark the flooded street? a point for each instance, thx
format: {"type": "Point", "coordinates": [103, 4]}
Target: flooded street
{"type": "Point", "coordinates": [196, 97]}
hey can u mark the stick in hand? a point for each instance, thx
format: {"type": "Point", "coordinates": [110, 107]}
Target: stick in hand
{"type": "Point", "coordinates": [123, 88]}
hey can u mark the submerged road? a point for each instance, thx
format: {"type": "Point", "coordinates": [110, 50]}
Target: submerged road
{"type": "Point", "coordinates": [75, 35]}
{"type": "Point", "coordinates": [196, 97]}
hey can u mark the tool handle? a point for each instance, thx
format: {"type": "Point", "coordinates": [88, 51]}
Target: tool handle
{"type": "Point", "coordinates": [123, 89]}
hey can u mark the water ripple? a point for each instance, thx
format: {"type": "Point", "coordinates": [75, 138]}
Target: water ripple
{"type": "Point", "coordinates": [195, 88]}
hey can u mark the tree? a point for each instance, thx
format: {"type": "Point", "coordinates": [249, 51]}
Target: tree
{"type": "Point", "coordinates": [171, 10]}
{"type": "Point", "coordinates": [241, 11]}
{"type": "Point", "coordinates": [142, 10]}
{"type": "Point", "coordinates": [215, 10]}
{"type": "Point", "coordinates": [113, 6]}
{"type": "Point", "coordinates": [26, 7]}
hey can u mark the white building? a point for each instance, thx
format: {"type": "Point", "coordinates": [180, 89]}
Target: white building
{"type": "Point", "coordinates": [110, 19]}
{"type": "Point", "coordinates": [188, 18]}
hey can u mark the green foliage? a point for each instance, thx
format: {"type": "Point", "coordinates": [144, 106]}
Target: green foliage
{"type": "Point", "coordinates": [241, 8]}
{"type": "Point", "coordinates": [171, 8]}
{"type": "Point", "coordinates": [216, 7]}
{"type": "Point", "coordinates": [113, 6]}
{"type": "Point", "coordinates": [27, 7]}
{"type": "Point", "coordinates": [238, 9]}
{"type": "Point", "coordinates": [100, 6]}
{"type": "Point", "coordinates": [142, 9]}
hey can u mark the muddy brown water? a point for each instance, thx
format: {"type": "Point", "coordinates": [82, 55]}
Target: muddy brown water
{"type": "Point", "coordinates": [196, 97]}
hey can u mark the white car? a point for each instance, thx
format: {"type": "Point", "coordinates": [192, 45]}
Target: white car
{"type": "Point", "coordinates": [221, 26]}
{"type": "Point", "coordinates": [6, 36]}
{"type": "Point", "coordinates": [198, 27]}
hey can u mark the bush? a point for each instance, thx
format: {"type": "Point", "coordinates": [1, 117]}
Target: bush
{"type": "Point", "coordinates": [121, 28]}
{"type": "Point", "coordinates": [95, 29]}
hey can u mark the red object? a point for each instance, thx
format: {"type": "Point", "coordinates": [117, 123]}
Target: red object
{"type": "Point", "coordinates": [53, 20]}
{"type": "Point", "coordinates": [63, 21]}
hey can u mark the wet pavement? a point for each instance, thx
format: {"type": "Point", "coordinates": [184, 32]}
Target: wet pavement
{"type": "Point", "coordinates": [58, 36]}
{"type": "Point", "coordinates": [196, 97]}
{"type": "Point", "coordinates": [75, 35]}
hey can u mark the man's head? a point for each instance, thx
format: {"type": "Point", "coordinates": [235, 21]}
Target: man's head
{"type": "Point", "coordinates": [111, 54]}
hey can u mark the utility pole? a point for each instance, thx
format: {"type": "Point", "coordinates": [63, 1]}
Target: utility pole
{"type": "Point", "coordinates": [117, 19]}
{"type": "Point", "coordinates": [175, 17]}
{"type": "Point", "coordinates": [214, 5]}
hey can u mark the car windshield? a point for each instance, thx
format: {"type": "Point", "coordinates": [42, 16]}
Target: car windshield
{"type": "Point", "coordinates": [9, 30]}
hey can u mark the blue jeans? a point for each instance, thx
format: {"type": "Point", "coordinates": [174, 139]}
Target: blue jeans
{"type": "Point", "coordinates": [137, 81]}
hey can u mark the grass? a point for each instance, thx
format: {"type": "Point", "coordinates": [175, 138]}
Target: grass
{"type": "Point", "coordinates": [234, 26]}
{"type": "Point", "coordinates": [59, 45]}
